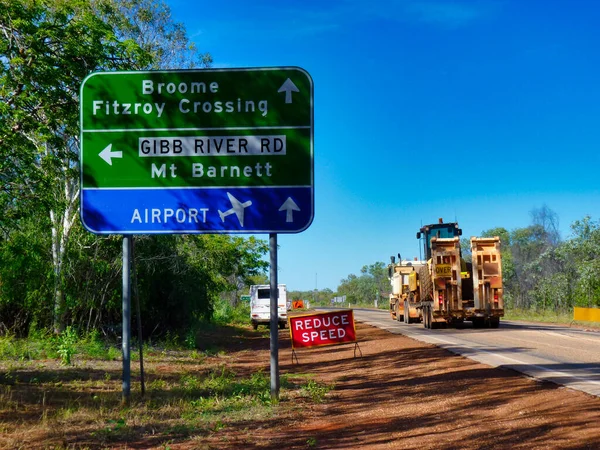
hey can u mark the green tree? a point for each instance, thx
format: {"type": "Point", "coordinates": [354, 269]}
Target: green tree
{"type": "Point", "coordinates": [47, 48]}
{"type": "Point", "coordinates": [150, 25]}
{"type": "Point", "coordinates": [25, 277]}
{"type": "Point", "coordinates": [181, 277]}
{"type": "Point", "coordinates": [536, 267]}
{"type": "Point", "coordinates": [529, 250]}
{"type": "Point", "coordinates": [364, 289]}
{"type": "Point", "coordinates": [583, 251]}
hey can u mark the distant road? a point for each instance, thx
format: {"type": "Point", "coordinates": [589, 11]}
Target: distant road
{"type": "Point", "coordinates": [563, 355]}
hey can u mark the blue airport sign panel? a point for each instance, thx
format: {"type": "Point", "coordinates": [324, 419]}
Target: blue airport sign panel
{"type": "Point", "coordinates": [197, 151]}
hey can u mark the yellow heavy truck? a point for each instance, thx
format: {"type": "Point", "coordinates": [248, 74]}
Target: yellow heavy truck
{"type": "Point", "coordinates": [402, 307]}
{"type": "Point", "coordinates": [445, 289]}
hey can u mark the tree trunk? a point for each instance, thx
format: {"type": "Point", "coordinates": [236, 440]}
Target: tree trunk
{"type": "Point", "coordinates": [58, 324]}
{"type": "Point", "coordinates": [61, 228]}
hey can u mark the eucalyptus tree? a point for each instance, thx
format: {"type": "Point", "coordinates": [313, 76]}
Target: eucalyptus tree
{"type": "Point", "coordinates": [371, 284]}
{"type": "Point", "coordinates": [583, 249]}
{"type": "Point", "coordinates": [47, 48]}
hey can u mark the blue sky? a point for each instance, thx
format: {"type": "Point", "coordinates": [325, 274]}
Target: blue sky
{"type": "Point", "coordinates": [474, 111]}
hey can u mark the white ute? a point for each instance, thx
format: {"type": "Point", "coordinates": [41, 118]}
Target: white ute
{"type": "Point", "coordinates": [260, 305]}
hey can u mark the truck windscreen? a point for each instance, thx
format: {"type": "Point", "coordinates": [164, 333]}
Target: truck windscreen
{"type": "Point", "coordinates": [265, 293]}
{"type": "Point", "coordinates": [444, 232]}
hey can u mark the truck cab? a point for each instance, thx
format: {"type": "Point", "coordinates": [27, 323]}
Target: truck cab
{"type": "Point", "coordinates": [439, 230]}
{"type": "Point", "coordinates": [260, 305]}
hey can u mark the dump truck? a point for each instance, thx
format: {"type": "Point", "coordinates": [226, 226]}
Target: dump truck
{"type": "Point", "coordinates": [446, 289]}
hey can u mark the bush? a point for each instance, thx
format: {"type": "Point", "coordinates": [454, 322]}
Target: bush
{"type": "Point", "coordinates": [225, 314]}
{"type": "Point", "coordinates": [65, 345]}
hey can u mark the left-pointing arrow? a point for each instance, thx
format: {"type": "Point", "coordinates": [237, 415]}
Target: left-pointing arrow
{"type": "Point", "coordinates": [107, 154]}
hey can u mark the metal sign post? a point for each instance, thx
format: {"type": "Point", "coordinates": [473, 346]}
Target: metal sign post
{"type": "Point", "coordinates": [126, 339]}
{"type": "Point", "coordinates": [274, 331]}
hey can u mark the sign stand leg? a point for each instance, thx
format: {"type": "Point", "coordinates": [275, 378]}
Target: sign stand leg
{"type": "Point", "coordinates": [126, 320]}
{"type": "Point", "coordinates": [356, 347]}
{"type": "Point", "coordinates": [274, 328]}
{"type": "Point", "coordinates": [295, 355]}
{"type": "Point", "coordinates": [136, 296]}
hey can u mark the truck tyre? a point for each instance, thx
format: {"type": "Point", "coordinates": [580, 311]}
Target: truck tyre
{"type": "Point", "coordinates": [432, 324]}
{"type": "Point", "coordinates": [399, 317]}
{"type": "Point", "coordinates": [282, 325]}
{"type": "Point", "coordinates": [255, 325]}
{"type": "Point", "coordinates": [494, 322]}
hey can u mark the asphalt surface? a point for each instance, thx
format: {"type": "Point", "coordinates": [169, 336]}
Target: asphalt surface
{"type": "Point", "coordinates": [563, 355]}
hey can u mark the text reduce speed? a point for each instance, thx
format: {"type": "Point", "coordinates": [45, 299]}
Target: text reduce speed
{"type": "Point", "coordinates": [328, 328]}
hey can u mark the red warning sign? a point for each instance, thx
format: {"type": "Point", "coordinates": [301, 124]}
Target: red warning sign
{"type": "Point", "coordinates": [297, 304]}
{"type": "Point", "coordinates": [335, 327]}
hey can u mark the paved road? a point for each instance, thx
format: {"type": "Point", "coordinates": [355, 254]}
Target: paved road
{"type": "Point", "coordinates": [563, 355]}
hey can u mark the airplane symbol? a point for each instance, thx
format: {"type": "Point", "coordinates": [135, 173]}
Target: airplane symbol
{"type": "Point", "coordinates": [237, 208]}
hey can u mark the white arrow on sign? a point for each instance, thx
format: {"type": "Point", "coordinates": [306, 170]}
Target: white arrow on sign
{"type": "Point", "coordinates": [107, 154]}
{"type": "Point", "coordinates": [289, 205]}
{"type": "Point", "coordinates": [288, 87]}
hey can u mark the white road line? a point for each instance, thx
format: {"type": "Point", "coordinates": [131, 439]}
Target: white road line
{"type": "Point", "coordinates": [579, 338]}
{"type": "Point", "coordinates": [517, 361]}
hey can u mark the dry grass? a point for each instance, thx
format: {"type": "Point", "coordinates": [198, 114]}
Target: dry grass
{"type": "Point", "coordinates": [559, 318]}
{"type": "Point", "coordinates": [190, 395]}
{"type": "Point", "coordinates": [400, 394]}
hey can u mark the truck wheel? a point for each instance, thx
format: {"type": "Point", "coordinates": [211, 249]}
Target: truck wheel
{"type": "Point", "coordinates": [494, 322]}
{"type": "Point", "coordinates": [281, 325]}
{"type": "Point", "coordinates": [399, 317]}
{"type": "Point", "coordinates": [431, 323]}
{"type": "Point", "coordinates": [255, 325]}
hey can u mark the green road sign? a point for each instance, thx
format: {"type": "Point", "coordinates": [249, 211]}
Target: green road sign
{"type": "Point", "coordinates": [200, 144]}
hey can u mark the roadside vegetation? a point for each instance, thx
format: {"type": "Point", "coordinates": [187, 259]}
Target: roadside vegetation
{"type": "Point", "coordinates": [66, 388]}
{"type": "Point", "coordinates": [54, 275]}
